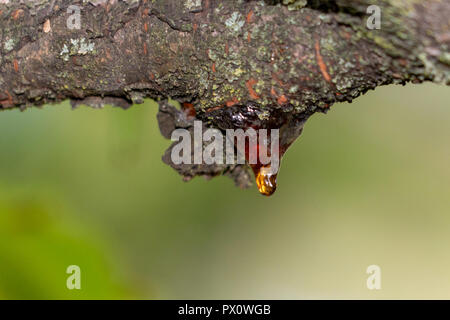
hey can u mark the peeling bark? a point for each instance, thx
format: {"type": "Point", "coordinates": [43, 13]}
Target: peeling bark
{"type": "Point", "coordinates": [218, 56]}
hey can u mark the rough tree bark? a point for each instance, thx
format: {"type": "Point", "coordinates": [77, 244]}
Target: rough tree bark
{"type": "Point", "coordinates": [232, 63]}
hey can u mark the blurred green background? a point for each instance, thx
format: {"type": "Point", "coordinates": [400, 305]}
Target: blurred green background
{"type": "Point", "coordinates": [368, 183]}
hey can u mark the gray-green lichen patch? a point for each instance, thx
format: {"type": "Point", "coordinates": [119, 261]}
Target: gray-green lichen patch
{"type": "Point", "coordinates": [295, 4]}
{"type": "Point", "coordinates": [77, 47]}
{"type": "Point", "coordinates": [65, 53]}
{"type": "Point", "coordinates": [291, 4]}
{"type": "Point", "coordinates": [235, 22]}
{"type": "Point", "coordinates": [193, 5]}
{"type": "Point", "coordinates": [445, 58]}
{"type": "Point", "coordinates": [9, 45]}
{"type": "Point", "coordinates": [432, 72]}
{"type": "Point", "coordinates": [95, 2]}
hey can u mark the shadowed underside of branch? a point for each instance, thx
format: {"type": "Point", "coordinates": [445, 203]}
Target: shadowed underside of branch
{"type": "Point", "coordinates": [217, 57]}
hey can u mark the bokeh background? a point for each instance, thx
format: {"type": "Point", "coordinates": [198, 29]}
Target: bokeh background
{"type": "Point", "coordinates": [368, 183]}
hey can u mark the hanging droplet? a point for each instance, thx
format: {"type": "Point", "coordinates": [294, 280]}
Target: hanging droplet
{"type": "Point", "coordinates": [266, 180]}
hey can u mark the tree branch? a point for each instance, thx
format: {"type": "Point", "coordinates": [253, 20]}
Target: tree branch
{"type": "Point", "coordinates": [218, 56]}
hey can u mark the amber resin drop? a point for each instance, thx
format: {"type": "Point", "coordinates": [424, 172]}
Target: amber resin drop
{"type": "Point", "coordinates": [266, 180]}
{"type": "Point", "coordinates": [253, 116]}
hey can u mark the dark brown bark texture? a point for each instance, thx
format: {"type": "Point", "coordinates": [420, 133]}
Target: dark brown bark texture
{"type": "Point", "coordinates": [229, 61]}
